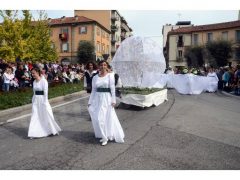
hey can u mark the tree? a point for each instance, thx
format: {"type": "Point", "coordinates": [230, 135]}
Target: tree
{"type": "Point", "coordinates": [12, 43]}
{"type": "Point", "coordinates": [24, 38]}
{"type": "Point", "coordinates": [40, 41]}
{"type": "Point", "coordinates": [85, 51]}
{"type": "Point", "coordinates": [219, 51]}
{"type": "Point", "coordinates": [194, 56]}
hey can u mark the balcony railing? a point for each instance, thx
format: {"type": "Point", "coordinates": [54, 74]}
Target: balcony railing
{"type": "Point", "coordinates": [114, 18]}
{"type": "Point", "coordinates": [114, 28]}
{"type": "Point", "coordinates": [179, 59]}
{"type": "Point", "coordinates": [180, 44]}
{"type": "Point", "coordinates": [63, 36]}
{"type": "Point", "coordinates": [113, 40]}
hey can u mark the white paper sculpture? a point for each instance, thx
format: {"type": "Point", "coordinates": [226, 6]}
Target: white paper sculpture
{"type": "Point", "coordinates": [135, 58]}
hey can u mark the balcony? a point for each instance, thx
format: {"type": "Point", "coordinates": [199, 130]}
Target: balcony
{"type": "Point", "coordinates": [114, 28]}
{"type": "Point", "coordinates": [180, 44]}
{"type": "Point", "coordinates": [114, 18]}
{"type": "Point", "coordinates": [113, 40]}
{"type": "Point", "coordinates": [179, 59]}
{"type": "Point", "coordinates": [63, 36]}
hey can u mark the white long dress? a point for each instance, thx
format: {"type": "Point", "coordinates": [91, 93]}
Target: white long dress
{"type": "Point", "coordinates": [104, 119]}
{"type": "Point", "coordinates": [42, 121]}
{"type": "Point", "coordinates": [213, 82]}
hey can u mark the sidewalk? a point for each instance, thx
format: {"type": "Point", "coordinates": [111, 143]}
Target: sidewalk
{"type": "Point", "coordinates": [11, 113]}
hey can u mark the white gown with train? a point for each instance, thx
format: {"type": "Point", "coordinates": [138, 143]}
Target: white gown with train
{"type": "Point", "coordinates": [104, 119]}
{"type": "Point", "coordinates": [42, 121]}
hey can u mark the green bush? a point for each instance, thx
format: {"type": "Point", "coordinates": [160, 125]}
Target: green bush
{"type": "Point", "coordinates": [24, 96]}
{"type": "Point", "coordinates": [142, 91]}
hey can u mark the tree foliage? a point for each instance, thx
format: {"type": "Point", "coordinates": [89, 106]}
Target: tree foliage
{"type": "Point", "coordinates": [24, 38]}
{"type": "Point", "coordinates": [85, 51]}
{"type": "Point", "coordinates": [194, 56]}
{"type": "Point", "coordinates": [220, 52]}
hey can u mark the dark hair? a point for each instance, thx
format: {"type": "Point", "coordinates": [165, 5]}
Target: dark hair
{"type": "Point", "coordinates": [91, 62]}
{"type": "Point", "coordinates": [102, 61]}
{"type": "Point", "coordinates": [37, 70]}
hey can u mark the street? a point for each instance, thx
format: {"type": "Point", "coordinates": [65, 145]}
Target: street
{"type": "Point", "coordinates": [186, 132]}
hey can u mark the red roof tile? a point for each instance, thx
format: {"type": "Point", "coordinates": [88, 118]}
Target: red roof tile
{"type": "Point", "coordinates": [208, 27]}
{"type": "Point", "coordinates": [67, 20]}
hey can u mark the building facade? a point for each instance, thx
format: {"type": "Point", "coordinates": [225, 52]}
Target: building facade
{"type": "Point", "coordinates": [179, 40]}
{"type": "Point", "coordinates": [113, 21]}
{"type": "Point", "coordinates": [67, 32]}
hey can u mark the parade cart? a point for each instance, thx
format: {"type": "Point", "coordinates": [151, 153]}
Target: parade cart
{"type": "Point", "coordinates": [134, 60]}
{"type": "Point", "coordinates": [144, 98]}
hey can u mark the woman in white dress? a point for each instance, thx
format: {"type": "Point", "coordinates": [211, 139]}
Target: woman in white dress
{"type": "Point", "coordinates": [42, 121]}
{"type": "Point", "coordinates": [101, 107]}
{"type": "Point", "coordinates": [213, 81]}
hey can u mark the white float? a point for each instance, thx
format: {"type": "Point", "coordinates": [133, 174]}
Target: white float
{"type": "Point", "coordinates": [135, 59]}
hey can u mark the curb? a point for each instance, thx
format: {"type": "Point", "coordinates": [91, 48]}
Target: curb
{"type": "Point", "coordinates": [230, 95]}
{"type": "Point", "coordinates": [29, 106]}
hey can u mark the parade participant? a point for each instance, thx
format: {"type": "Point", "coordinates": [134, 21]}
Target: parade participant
{"type": "Point", "coordinates": [101, 107]}
{"type": "Point", "coordinates": [213, 82]}
{"type": "Point", "coordinates": [42, 120]}
{"type": "Point", "coordinates": [88, 75]}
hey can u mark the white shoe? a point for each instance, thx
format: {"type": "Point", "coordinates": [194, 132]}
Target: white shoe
{"type": "Point", "coordinates": [104, 143]}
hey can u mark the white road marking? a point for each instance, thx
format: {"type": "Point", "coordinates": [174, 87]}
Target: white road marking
{"type": "Point", "coordinates": [59, 105]}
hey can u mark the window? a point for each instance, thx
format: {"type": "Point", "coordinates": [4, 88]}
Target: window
{"type": "Point", "coordinates": [180, 41]}
{"type": "Point", "coordinates": [65, 47]}
{"type": "Point", "coordinates": [195, 39]}
{"type": "Point", "coordinates": [98, 47]}
{"type": "Point", "coordinates": [209, 37]}
{"type": "Point", "coordinates": [103, 48]}
{"type": "Point", "coordinates": [180, 54]}
{"type": "Point", "coordinates": [237, 35]}
{"type": "Point", "coordinates": [64, 30]}
{"type": "Point", "coordinates": [98, 31]}
{"type": "Point", "coordinates": [225, 36]}
{"type": "Point", "coordinates": [237, 53]}
{"type": "Point", "coordinates": [83, 30]}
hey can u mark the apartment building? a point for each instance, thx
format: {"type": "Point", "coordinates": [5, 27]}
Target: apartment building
{"type": "Point", "coordinates": [179, 39]}
{"type": "Point", "coordinates": [113, 21]}
{"type": "Point", "coordinates": [67, 32]}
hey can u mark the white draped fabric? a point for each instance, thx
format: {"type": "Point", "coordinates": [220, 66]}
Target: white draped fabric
{"type": "Point", "coordinates": [156, 99]}
{"type": "Point", "coordinates": [135, 58]}
{"type": "Point", "coordinates": [42, 121]}
{"type": "Point", "coordinates": [213, 83]}
{"type": "Point", "coordinates": [104, 119]}
{"type": "Point", "coordinates": [183, 83]}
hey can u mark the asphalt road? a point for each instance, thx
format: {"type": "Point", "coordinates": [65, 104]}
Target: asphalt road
{"type": "Point", "coordinates": [186, 132]}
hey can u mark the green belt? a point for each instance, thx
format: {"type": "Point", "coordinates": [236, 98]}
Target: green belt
{"type": "Point", "coordinates": [103, 90]}
{"type": "Point", "coordinates": [39, 92]}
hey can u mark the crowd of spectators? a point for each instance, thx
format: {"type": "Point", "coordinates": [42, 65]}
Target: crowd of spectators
{"type": "Point", "coordinates": [18, 75]}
